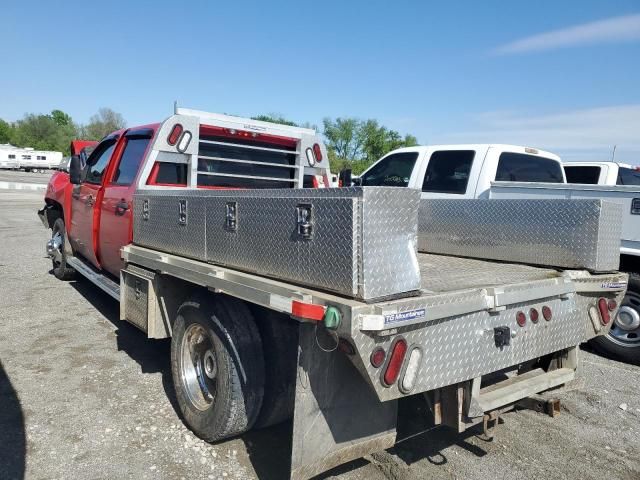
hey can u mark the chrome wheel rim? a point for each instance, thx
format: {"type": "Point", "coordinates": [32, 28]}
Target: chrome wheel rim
{"type": "Point", "coordinates": [55, 246]}
{"type": "Point", "coordinates": [625, 330]}
{"type": "Point", "coordinates": [198, 367]}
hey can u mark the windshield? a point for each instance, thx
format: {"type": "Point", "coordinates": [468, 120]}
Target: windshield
{"type": "Point", "coordinates": [392, 171]}
{"type": "Point", "coordinates": [520, 167]}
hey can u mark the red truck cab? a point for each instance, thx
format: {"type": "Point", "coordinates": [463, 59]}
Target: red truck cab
{"type": "Point", "coordinates": [90, 215]}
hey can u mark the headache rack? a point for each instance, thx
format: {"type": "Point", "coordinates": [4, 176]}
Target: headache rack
{"type": "Point", "coordinates": [214, 151]}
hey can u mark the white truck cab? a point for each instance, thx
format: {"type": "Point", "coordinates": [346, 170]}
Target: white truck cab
{"type": "Point", "coordinates": [462, 171]}
{"type": "Point", "coordinates": [602, 173]}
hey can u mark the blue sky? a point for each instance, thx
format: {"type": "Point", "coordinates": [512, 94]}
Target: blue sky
{"type": "Point", "coordinates": [563, 76]}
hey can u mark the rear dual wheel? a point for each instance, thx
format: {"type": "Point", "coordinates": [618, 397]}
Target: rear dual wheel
{"type": "Point", "coordinates": [623, 340]}
{"type": "Point", "coordinates": [217, 366]}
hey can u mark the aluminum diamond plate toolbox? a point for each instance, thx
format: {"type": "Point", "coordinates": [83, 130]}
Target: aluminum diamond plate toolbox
{"type": "Point", "coordinates": [560, 233]}
{"type": "Point", "coordinates": [358, 242]}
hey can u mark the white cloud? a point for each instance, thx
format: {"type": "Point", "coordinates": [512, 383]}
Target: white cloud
{"type": "Point", "coordinates": [611, 30]}
{"type": "Point", "coordinates": [586, 134]}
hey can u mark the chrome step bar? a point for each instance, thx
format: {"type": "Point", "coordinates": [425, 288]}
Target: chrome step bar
{"type": "Point", "coordinates": [98, 279]}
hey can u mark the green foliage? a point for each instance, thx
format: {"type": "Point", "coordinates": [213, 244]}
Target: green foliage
{"type": "Point", "coordinates": [42, 132]}
{"type": "Point", "coordinates": [62, 119]}
{"type": "Point", "coordinates": [6, 131]}
{"type": "Point", "coordinates": [356, 144]}
{"type": "Point", "coordinates": [275, 118]}
{"type": "Point", "coordinates": [56, 130]}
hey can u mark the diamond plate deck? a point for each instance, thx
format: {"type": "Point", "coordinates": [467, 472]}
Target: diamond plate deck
{"type": "Point", "coordinates": [363, 241]}
{"type": "Point", "coordinates": [561, 233]}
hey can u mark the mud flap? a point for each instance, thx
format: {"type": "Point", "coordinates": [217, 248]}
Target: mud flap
{"type": "Point", "coordinates": [337, 416]}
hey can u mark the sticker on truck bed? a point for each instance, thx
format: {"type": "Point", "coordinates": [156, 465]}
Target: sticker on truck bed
{"type": "Point", "coordinates": [614, 285]}
{"type": "Point", "coordinates": [404, 316]}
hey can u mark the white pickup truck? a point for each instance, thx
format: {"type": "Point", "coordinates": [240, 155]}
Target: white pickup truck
{"type": "Point", "coordinates": [508, 171]}
{"type": "Point", "coordinates": [462, 171]}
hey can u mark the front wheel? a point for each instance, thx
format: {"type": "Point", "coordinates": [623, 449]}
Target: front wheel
{"type": "Point", "coordinates": [217, 366]}
{"type": "Point", "coordinates": [57, 251]}
{"type": "Point", "coordinates": [623, 340]}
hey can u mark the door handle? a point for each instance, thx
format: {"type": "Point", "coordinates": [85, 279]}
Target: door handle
{"type": "Point", "coordinates": [90, 200]}
{"type": "Point", "coordinates": [121, 207]}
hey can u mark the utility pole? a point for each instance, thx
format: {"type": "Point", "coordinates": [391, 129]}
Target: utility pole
{"type": "Point", "coordinates": [613, 155]}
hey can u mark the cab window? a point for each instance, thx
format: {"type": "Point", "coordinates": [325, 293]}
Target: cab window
{"type": "Point", "coordinates": [392, 171]}
{"type": "Point", "coordinates": [448, 171]}
{"type": "Point", "coordinates": [628, 176]}
{"type": "Point", "coordinates": [520, 167]}
{"type": "Point", "coordinates": [582, 174]}
{"type": "Point", "coordinates": [130, 160]}
{"type": "Point", "coordinates": [98, 161]}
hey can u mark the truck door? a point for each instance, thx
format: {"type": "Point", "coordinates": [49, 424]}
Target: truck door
{"type": "Point", "coordinates": [84, 215]}
{"type": "Point", "coordinates": [115, 216]}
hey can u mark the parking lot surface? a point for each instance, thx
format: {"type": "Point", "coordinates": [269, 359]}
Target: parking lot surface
{"type": "Point", "coordinates": [83, 395]}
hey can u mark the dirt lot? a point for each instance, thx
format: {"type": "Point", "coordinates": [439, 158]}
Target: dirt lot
{"type": "Point", "coordinates": [83, 395]}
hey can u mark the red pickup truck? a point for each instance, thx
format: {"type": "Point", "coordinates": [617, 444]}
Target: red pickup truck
{"type": "Point", "coordinates": [324, 305]}
{"type": "Point", "coordinates": [92, 218]}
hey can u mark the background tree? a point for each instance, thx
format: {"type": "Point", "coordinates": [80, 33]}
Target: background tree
{"type": "Point", "coordinates": [6, 131]}
{"type": "Point", "coordinates": [43, 132]}
{"type": "Point", "coordinates": [102, 124]}
{"type": "Point", "coordinates": [275, 118]}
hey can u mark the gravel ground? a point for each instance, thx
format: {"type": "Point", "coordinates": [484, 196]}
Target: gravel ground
{"type": "Point", "coordinates": [83, 395]}
{"type": "Point", "coordinates": [25, 177]}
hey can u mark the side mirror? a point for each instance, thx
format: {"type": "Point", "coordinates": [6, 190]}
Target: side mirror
{"type": "Point", "coordinates": [344, 177]}
{"type": "Point", "coordinates": [75, 170]}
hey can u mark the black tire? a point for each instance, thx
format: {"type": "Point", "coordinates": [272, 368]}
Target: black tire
{"type": "Point", "coordinates": [626, 347]}
{"type": "Point", "coordinates": [279, 335]}
{"type": "Point", "coordinates": [234, 347]}
{"type": "Point", "coordinates": [60, 268]}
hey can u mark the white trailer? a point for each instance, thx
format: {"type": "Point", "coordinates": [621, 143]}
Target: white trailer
{"type": "Point", "coordinates": [28, 159]}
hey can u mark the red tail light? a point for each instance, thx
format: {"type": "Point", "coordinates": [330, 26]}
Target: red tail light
{"type": "Point", "coordinates": [317, 152]}
{"type": "Point", "coordinates": [394, 366]}
{"type": "Point", "coordinates": [546, 313]}
{"type": "Point", "coordinates": [604, 311]}
{"type": "Point", "coordinates": [521, 318]}
{"type": "Point", "coordinates": [377, 357]}
{"type": "Point", "coordinates": [533, 315]}
{"type": "Point", "coordinates": [612, 305]}
{"type": "Point", "coordinates": [174, 135]}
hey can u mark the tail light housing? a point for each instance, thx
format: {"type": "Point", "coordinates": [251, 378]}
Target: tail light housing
{"type": "Point", "coordinates": [603, 307]}
{"type": "Point", "coordinates": [411, 370]}
{"type": "Point", "coordinates": [547, 313]}
{"type": "Point", "coordinates": [174, 134]}
{"type": "Point", "coordinates": [521, 318]}
{"type": "Point", "coordinates": [317, 152]}
{"type": "Point", "coordinates": [533, 315]}
{"type": "Point", "coordinates": [612, 305]}
{"type": "Point", "coordinates": [378, 357]}
{"type": "Point", "coordinates": [394, 365]}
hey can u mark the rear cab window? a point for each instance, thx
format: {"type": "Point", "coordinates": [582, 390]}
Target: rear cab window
{"type": "Point", "coordinates": [582, 174]}
{"type": "Point", "coordinates": [628, 176]}
{"type": "Point", "coordinates": [448, 171]}
{"type": "Point", "coordinates": [522, 167]}
{"type": "Point", "coordinates": [392, 171]}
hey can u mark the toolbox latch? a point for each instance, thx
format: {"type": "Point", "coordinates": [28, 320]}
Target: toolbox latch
{"type": "Point", "coordinates": [502, 336]}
